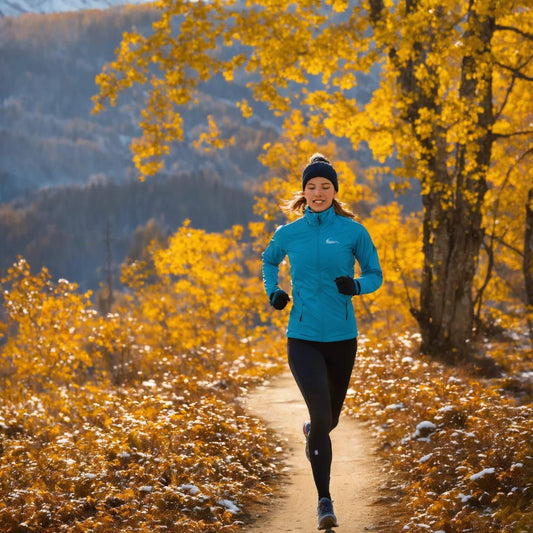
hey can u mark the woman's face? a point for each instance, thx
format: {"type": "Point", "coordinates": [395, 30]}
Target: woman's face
{"type": "Point", "coordinates": [319, 194]}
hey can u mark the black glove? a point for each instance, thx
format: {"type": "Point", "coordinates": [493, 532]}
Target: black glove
{"type": "Point", "coordinates": [279, 299]}
{"type": "Point", "coordinates": [347, 285]}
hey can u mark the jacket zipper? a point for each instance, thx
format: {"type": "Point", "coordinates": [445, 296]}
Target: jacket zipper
{"type": "Point", "coordinates": [319, 267]}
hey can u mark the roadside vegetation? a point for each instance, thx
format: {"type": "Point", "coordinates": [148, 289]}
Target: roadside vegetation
{"type": "Point", "coordinates": [457, 445]}
{"type": "Point", "coordinates": [134, 419]}
{"type": "Point", "coordinates": [107, 425]}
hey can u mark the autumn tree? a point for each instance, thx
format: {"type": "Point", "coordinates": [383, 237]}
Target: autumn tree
{"type": "Point", "coordinates": [195, 302]}
{"type": "Point", "coordinates": [528, 260]}
{"type": "Point", "coordinates": [454, 90]}
{"type": "Point", "coordinates": [48, 330]}
{"type": "Point", "coordinates": [461, 93]}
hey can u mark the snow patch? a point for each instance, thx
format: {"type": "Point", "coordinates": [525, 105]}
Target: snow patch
{"type": "Point", "coordinates": [424, 430]}
{"type": "Point", "coordinates": [395, 407]}
{"type": "Point", "coordinates": [465, 498]}
{"type": "Point", "coordinates": [230, 506]}
{"type": "Point", "coordinates": [193, 489]}
{"type": "Point", "coordinates": [483, 473]}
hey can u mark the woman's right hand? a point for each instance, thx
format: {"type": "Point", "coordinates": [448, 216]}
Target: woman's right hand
{"type": "Point", "coordinates": [279, 299]}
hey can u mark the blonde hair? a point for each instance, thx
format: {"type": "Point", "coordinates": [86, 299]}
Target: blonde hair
{"type": "Point", "coordinates": [297, 204]}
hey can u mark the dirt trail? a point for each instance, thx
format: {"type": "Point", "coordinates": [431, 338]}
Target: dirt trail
{"type": "Point", "coordinates": [355, 476]}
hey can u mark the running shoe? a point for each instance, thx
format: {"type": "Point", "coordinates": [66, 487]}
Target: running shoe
{"type": "Point", "coordinates": [326, 516]}
{"type": "Point", "coordinates": [307, 430]}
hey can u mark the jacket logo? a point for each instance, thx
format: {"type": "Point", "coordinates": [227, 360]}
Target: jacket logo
{"type": "Point", "coordinates": [331, 241]}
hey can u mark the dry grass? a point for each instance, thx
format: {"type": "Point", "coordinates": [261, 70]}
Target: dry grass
{"type": "Point", "coordinates": [179, 454]}
{"type": "Point", "coordinates": [173, 455]}
{"type": "Point", "coordinates": [458, 447]}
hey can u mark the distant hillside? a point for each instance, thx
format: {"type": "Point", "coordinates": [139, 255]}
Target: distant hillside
{"type": "Point", "coordinates": [48, 136]}
{"type": "Point", "coordinates": [64, 228]}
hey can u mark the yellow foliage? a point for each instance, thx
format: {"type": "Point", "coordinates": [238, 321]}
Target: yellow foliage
{"type": "Point", "coordinates": [211, 139]}
{"type": "Point", "coordinates": [457, 447]}
{"type": "Point", "coordinates": [246, 110]}
{"type": "Point", "coordinates": [398, 240]}
{"type": "Point", "coordinates": [163, 443]}
{"type": "Point", "coordinates": [48, 328]}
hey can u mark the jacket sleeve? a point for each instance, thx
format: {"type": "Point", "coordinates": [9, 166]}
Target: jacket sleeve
{"type": "Point", "coordinates": [366, 254]}
{"type": "Point", "coordinates": [272, 257]}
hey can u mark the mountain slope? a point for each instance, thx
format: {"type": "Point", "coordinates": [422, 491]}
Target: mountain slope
{"type": "Point", "coordinates": [65, 172]}
{"type": "Point", "coordinates": [63, 228]}
{"type": "Point", "coordinates": [48, 135]}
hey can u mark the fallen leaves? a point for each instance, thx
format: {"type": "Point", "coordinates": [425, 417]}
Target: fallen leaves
{"type": "Point", "coordinates": [135, 460]}
{"type": "Point", "coordinates": [458, 447]}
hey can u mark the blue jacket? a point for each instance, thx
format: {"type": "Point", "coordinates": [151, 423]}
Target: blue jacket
{"type": "Point", "coordinates": [322, 247]}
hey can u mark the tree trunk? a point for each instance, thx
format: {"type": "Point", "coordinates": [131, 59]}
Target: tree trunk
{"type": "Point", "coordinates": [452, 197]}
{"type": "Point", "coordinates": [453, 234]}
{"type": "Point", "coordinates": [453, 183]}
{"type": "Point", "coordinates": [528, 262]}
{"type": "Point", "coordinates": [452, 240]}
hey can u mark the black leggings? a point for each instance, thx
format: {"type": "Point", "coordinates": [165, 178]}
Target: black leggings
{"type": "Point", "coordinates": [322, 371]}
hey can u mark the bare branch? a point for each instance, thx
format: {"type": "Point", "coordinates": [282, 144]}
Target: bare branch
{"type": "Point", "coordinates": [498, 114]}
{"type": "Point", "coordinates": [517, 251]}
{"type": "Point", "coordinates": [517, 73]}
{"type": "Point", "coordinates": [496, 209]}
{"type": "Point", "coordinates": [525, 34]}
{"type": "Point", "coordinates": [514, 134]}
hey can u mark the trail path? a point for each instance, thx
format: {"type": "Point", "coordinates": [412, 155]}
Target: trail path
{"type": "Point", "coordinates": [355, 476]}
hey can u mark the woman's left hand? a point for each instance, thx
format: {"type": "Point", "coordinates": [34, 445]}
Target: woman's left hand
{"type": "Point", "coordinates": [348, 286]}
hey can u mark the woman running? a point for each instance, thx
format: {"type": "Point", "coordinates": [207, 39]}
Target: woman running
{"type": "Point", "coordinates": [322, 247]}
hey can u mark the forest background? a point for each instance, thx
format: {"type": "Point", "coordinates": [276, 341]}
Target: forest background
{"type": "Point", "coordinates": [121, 407]}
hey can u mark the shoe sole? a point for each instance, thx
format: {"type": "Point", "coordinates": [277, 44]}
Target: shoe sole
{"type": "Point", "coordinates": [327, 522]}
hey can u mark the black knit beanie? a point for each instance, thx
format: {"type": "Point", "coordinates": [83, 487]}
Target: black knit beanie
{"type": "Point", "coordinates": [319, 166]}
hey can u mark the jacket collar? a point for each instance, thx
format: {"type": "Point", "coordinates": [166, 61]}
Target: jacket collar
{"type": "Point", "coordinates": [319, 219]}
